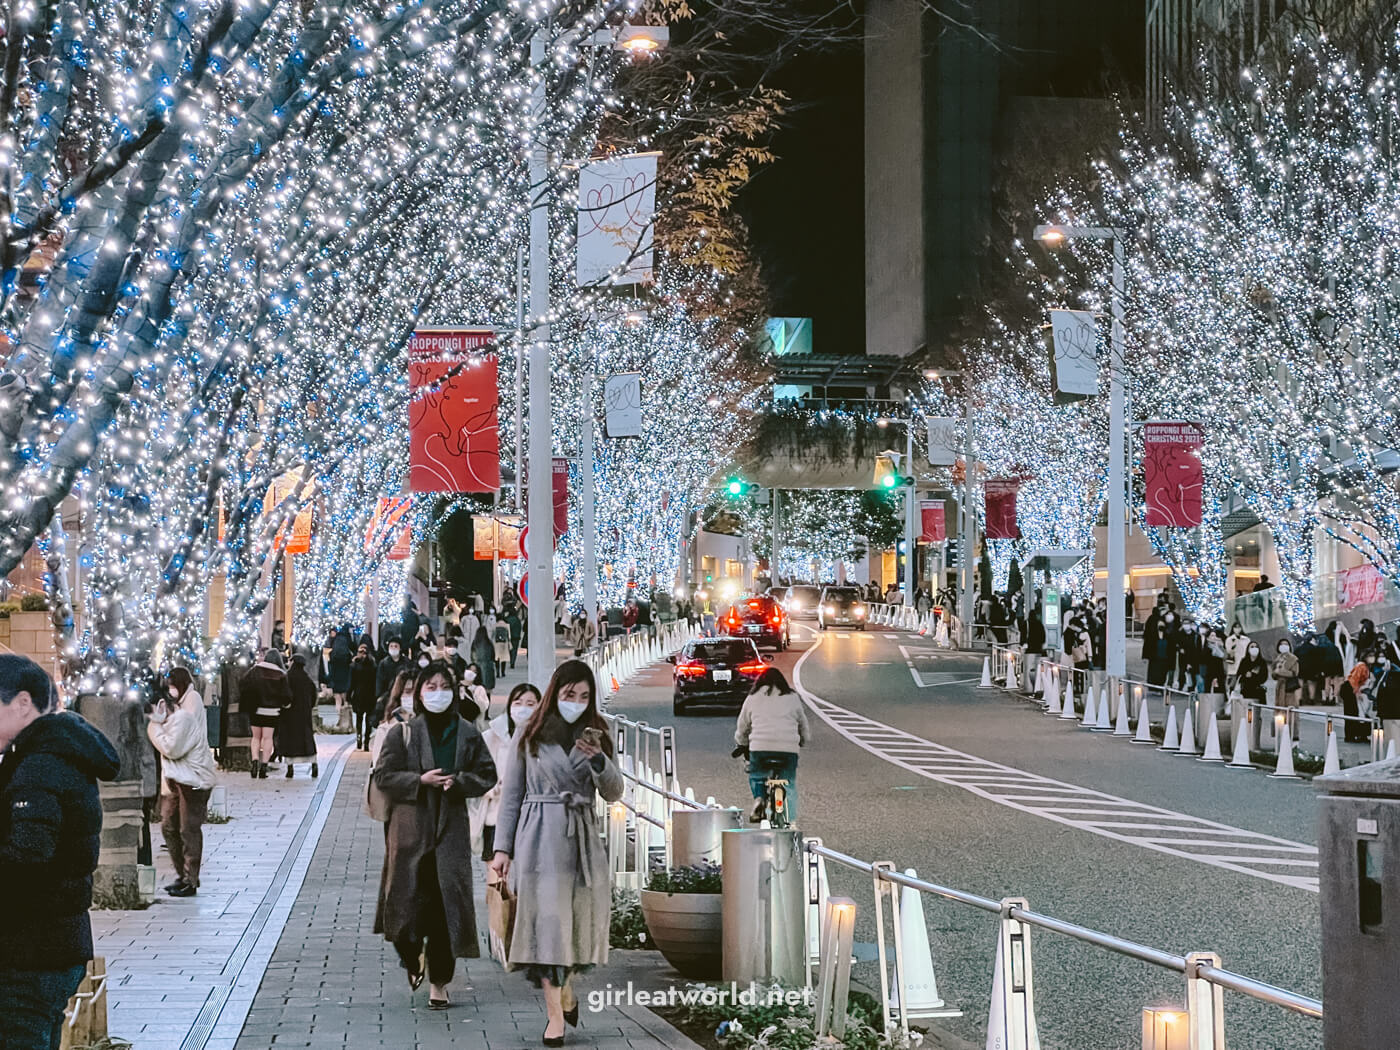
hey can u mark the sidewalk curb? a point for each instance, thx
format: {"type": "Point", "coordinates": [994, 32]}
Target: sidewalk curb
{"type": "Point", "coordinates": [656, 1026]}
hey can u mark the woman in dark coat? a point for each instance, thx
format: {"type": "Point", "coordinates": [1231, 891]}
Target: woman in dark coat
{"type": "Point", "coordinates": [364, 676]}
{"type": "Point", "coordinates": [1161, 652]}
{"type": "Point", "coordinates": [425, 895]}
{"type": "Point", "coordinates": [263, 695]}
{"type": "Point", "coordinates": [1253, 678]}
{"type": "Point", "coordinates": [296, 735]}
{"type": "Point", "coordinates": [484, 655]}
{"type": "Point", "coordinates": [338, 665]}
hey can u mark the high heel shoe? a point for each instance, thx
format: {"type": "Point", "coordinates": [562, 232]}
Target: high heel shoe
{"type": "Point", "coordinates": [571, 1016]}
{"type": "Point", "coordinates": [415, 980]}
{"type": "Point", "coordinates": [552, 1040]}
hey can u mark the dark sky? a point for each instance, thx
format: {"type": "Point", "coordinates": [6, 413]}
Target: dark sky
{"type": "Point", "coordinates": [805, 212]}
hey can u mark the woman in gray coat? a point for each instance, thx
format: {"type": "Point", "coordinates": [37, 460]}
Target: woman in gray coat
{"type": "Point", "coordinates": [547, 833]}
{"type": "Point", "coordinates": [427, 770]}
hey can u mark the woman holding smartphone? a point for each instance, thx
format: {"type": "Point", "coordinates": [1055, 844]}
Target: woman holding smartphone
{"type": "Point", "coordinates": [546, 833]}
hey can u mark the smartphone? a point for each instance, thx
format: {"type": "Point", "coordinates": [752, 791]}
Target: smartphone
{"type": "Point", "coordinates": [593, 735]}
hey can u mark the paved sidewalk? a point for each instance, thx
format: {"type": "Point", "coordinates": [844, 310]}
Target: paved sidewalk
{"type": "Point", "coordinates": [183, 972]}
{"type": "Point", "coordinates": [333, 983]}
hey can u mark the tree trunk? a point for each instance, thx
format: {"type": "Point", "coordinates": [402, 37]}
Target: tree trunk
{"type": "Point", "coordinates": [123, 722]}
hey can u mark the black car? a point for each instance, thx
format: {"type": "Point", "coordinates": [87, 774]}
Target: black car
{"type": "Point", "coordinates": [842, 606]}
{"type": "Point", "coordinates": [715, 671]}
{"type": "Point", "coordinates": [761, 619]}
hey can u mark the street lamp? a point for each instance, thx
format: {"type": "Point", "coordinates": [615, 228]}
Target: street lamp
{"type": "Point", "coordinates": [968, 524]}
{"type": "Point", "coordinates": [1053, 236]}
{"type": "Point", "coordinates": [539, 512]}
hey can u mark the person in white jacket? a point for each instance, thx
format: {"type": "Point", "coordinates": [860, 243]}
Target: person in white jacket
{"type": "Point", "coordinates": [772, 726]}
{"type": "Point", "coordinates": [523, 700]}
{"type": "Point", "coordinates": [179, 731]}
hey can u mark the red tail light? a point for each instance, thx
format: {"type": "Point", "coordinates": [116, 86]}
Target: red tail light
{"type": "Point", "coordinates": [692, 669]}
{"type": "Point", "coordinates": [757, 667]}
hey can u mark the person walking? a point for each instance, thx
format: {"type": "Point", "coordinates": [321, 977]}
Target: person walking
{"type": "Point", "coordinates": [517, 632]}
{"type": "Point", "coordinates": [1287, 686]}
{"type": "Point", "coordinates": [364, 680]}
{"type": "Point", "coordinates": [582, 634]}
{"type": "Point", "coordinates": [296, 729]}
{"type": "Point", "coordinates": [484, 658]}
{"type": "Point", "coordinates": [1159, 648]}
{"type": "Point", "coordinates": [425, 906]}
{"type": "Point", "coordinates": [264, 693]}
{"type": "Point", "coordinates": [338, 672]}
{"type": "Point", "coordinates": [773, 727]}
{"type": "Point", "coordinates": [395, 660]}
{"type": "Point", "coordinates": [50, 837]}
{"type": "Point", "coordinates": [500, 642]}
{"type": "Point", "coordinates": [1387, 694]}
{"type": "Point", "coordinates": [547, 834]}
{"type": "Point", "coordinates": [471, 623]}
{"type": "Point", "coordinates": [179, 731]}
{"type": "Point", "coordinates": [485, 811]}
{"type": "Point", "coordinates": [1354, 729]}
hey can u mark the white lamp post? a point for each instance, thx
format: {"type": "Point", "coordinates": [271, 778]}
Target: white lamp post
{"type": "Point", "coordinates": [1116, 636]}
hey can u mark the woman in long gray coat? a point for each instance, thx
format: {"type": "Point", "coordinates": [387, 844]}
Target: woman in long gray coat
{"type": "Point", "coordinates": [427, 771]}
{"type": "Point", "coordinates": [546, 832]}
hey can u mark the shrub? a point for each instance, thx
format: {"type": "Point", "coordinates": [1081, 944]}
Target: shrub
{"type": "Point", "coordinates": [6, 608]}
{"type": "Point", "coordinates": [702, 878]}
{"type": "Point", "coordinates": [781, 1027]}
{"type": "Point", "coordinates": [628, 928]}
{"type": "Point", "coordinates": [33, 603]}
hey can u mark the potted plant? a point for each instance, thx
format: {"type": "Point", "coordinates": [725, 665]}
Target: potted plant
{"type": "Point", "coordinates": [682, 911]}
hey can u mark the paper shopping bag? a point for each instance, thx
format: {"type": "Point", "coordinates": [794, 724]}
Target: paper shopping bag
{"type": "Point", "coordinates": [500, 918]}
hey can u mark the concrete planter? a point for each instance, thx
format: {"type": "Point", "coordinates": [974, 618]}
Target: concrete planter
{"type": "Point", "coordinates": [688, 929]}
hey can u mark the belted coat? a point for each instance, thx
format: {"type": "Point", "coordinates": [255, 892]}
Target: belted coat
{"type": "Point", "coordinates": [425, 820]}
{"type": "Point", "coordinates": [558, 864]}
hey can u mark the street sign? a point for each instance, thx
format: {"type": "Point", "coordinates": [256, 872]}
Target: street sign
{"type": "Point", "coordinates": [523, 587]}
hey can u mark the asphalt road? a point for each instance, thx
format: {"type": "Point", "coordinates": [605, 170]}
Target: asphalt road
{"type": "Point", "coordinates": [979, 791]}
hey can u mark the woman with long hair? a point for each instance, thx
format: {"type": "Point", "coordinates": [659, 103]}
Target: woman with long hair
{"type": "Point", "coordinates": [427, 774]}
{"type": "Point", "coordinates": [484, 811]}
{"type": "Point", "coordinates": [547, 833]}
{"type": "Point", "coordinates": [179, 731]}
{"type": "Point", "coordinates": [264, 694]}
{"type": "Point", "coordinates": [296, 729]}
{"type": "Point", "coordinates": [773, 726]}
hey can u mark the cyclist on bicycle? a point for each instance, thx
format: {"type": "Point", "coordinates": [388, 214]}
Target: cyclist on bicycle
{"type": "Point", "coordinates": [772, 726]}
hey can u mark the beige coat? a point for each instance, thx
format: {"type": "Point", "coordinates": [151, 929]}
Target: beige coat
{"type": "Point", "coordinates": [425, 820]}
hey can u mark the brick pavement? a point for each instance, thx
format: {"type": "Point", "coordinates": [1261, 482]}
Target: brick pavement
{"type": "Point", "coordinates": [332, 983]}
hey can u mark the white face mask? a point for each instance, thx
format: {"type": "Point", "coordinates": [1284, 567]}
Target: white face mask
{"type": "Point", "coordinates": [1285, 648]}
{"type": "Point", "coordinates": [572, 710]}
{"type": "Point", "coordinates": [520, 713]}
{"type": "Point", "coordinates": [423, 661]}
{"type": "Point", "coordinates": [1254, 650]}
{"type": "Point", "coordinates": [406, 706]}
{"type": "Point", "coordinates": [437, 701]}
{"type": "Point", "coordinates": [469, 675]}
{"type": "Point", "coordinates": [393, 652]}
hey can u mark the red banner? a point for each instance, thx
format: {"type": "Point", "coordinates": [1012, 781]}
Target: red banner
{"type": "Point", "coordinates": [1361, 585]}
{"type": "Point", "coordinates": [1172, 473]}
{"type": "Point", "coordinates": [1000, 497]}
{"type": "Point", "coordinates": [934, 526]}
{"type": "Point", "coordinates": [561, 496]}
{"type": "Point", "coordinates": [454, 441]}
{"type": "Point", "coordinates": [281, 489]}
{"type": "Point", "coordinates": [389, 513]}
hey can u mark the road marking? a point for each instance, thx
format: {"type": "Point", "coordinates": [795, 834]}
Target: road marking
{"type": "Point", "coordinates": [1109, 816]}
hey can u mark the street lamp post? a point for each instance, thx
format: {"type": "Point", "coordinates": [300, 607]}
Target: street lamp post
{"type": "Point", "coordinates": [1116, 639]}
{"type": "Point", "coordinates": [910, 511]}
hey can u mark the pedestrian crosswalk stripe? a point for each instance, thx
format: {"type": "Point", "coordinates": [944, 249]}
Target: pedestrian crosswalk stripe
{"type": "Point", "coordinates": [1123, 820]}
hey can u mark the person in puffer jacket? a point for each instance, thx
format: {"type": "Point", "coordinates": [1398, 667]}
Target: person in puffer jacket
{"type": "Point", "coordinates": [773, 727]}
{"type": "Point", "coordinates": [50, 837]}
{"type": "Point", "coordinates": [180, 732]}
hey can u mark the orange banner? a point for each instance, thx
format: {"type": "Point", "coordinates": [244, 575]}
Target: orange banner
{"type": "Point", "coordinates": [279, 490]}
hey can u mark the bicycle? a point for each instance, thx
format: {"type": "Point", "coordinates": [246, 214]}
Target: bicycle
{"type": "Point", "coordinates": [773, 806]}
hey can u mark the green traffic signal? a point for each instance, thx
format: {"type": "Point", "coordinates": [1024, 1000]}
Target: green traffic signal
{"type": "Point", "coordinates": [889, 481]}
{"type": "Point", "coordinates": [736, 487]}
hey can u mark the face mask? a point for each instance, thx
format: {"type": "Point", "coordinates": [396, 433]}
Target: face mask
{"type": "Point", "coordinates": [393, 652]}
{"type": "Point", "coordinates": [469, 675]}
{"type": "Point", "coordinates": [1284, 648]}
{"type": "Point", "coordinates": [1254, 650]}
{"type": "Point", "coordinates": [423, 661]}
{"type": "Point", "coordinates": [437, 701]}
{"type": "Point", "coordinates": [520, 713]}
{"type": "Point", "coordinates": [406, 706]}
{"type": "Point", "coordinates": [572, 710]}
{"type": "Point", "coordinates": [1169, 619]}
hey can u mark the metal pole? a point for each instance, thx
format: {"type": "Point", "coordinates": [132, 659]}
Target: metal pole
{"type": "Point", "coordinates": [911, 558]}
{"type": "Point", "coordinates": [777, 536]}
{"type": "Point", "coordinates": [1116, 641]}
{"type": "Point", "coordinates": [969, 526]}
{"type": "Point", "coordinates": [586, 510]}
{"type": "Point", "coordinates": [540, 509]}
{"type": "Point", "coordinates": [520, 352]}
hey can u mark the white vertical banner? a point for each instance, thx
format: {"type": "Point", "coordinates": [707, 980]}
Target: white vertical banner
{"type": "Point", "coordinates": [1074, 365]}
{"type": "Point", "coordinates": [942, 441]}
{"type": "Point", "coordinates": [622, 405]}
{"type": "Point", "coordinates": [616, 205]}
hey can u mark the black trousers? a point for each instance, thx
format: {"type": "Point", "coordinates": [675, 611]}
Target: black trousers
{"type": "Point", "coordinates": [362, 729]}
{"type": "Point", "coordinates": [432, 939]}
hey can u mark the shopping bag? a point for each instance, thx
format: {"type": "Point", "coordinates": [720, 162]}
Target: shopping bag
{"type": "Point", "coordinates": [500, 918]}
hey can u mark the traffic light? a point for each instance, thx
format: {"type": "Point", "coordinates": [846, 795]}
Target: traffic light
{"type": "Point", "coordinates": [887, 475]}
{"type": "Point", "coordinates": [736, 487]}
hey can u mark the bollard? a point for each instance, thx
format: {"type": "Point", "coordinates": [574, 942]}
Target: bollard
{"type": "Point", "coordinates": [1011, 1024]}
{"type": "Point", "coordinates": [764, 902]}
{"type": "Point", "coordinates": [1205, 1004]}
{"type": "Point", "coordinates": [838, 928]}
{"type": "Point", "coordinates": [696, 834]}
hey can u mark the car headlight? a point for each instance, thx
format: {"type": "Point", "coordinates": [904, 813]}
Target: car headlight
{"type": "Point", "coordinates": [860, 611]}
{"type": "Point", "coordinates": [831, 610]}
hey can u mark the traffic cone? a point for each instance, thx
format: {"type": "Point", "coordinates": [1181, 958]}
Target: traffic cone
{"type": "Point", "coordinates": [1040, 678]}
{"type": "Point", "coordinates": [1120, 726]}
{"type": "Point", "coordinates": [1240, 758]}
{"type": "Point", "coordinates": [1390, 751]}
{"type": "Point", "coordinates": [1068, 710]}
{"type": "Point", "coordinates": [1013, 680]}
{"type": "Point", "coordinates": [1144, 724]}
{"type": "Point", "coordinates": [689, 794]}
{"type": "Point", "coordinates": [1330, 762]}
{"type": "Point", "coordinates": [615, 686]}
{"type": "Point", "coordinates": [1052, 691]}
{"type": "Point", "coordinates": [1284, 770]}
{"type": "Point", "coordinates": [919, 981]}
{"type": "Point", "coordinates": [1091, 712]}
{"type": "Point", "coordinates": [1102, 724]}
{"type": "Point", "coordinates": [1171, 742]}
{"type": "Point", "coordinates": [1212, 752]}
{"type": "Point", "coordinates": [986, 682]}
{"type": "Point", "coordinates": [1188, 736]}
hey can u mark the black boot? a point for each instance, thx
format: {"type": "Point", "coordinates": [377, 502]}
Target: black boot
{"type": "Point", "coordinates": [262, 770]}
{"type": "Point", "coordinates": [289, 771]}
{"type": "Point", "coordinates": [315, 771]}
{"type": "Point", "coordinates": [253, 769]}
